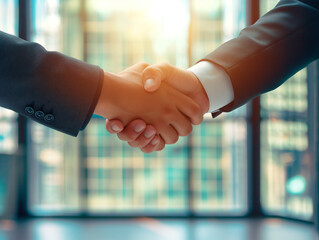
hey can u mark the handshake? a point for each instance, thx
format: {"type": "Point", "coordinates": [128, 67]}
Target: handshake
{"type": "Point", "coordinates": [147, 113]}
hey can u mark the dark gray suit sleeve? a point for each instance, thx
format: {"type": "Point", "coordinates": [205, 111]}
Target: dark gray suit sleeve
{"type": "Point", "coordinates": [52, 89]}
{"type": "Point", "coordinates": [267, 53]}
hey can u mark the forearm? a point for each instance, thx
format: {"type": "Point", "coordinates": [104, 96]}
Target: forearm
{"type": "Point", "coordinates": [267, 53]}
{"type": "Point", "coordinates": [48, 82]}
{"type": "Point", "coordinates": [105, 104]}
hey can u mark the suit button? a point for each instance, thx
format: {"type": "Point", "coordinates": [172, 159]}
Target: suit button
{"type": "Point", "coordinates": [29, 110]}
{"type": "Point", "coordinates": [39, 114]}
{"type": "Point", "coordinates": [49, 118]}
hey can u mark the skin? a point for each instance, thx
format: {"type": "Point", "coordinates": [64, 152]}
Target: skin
{"type": "Point", "coordinates": [136, 138]}
{"type": "Point", "coordinates": [167, 113]}
{"type": "Point", "coordinates": [183, 80]}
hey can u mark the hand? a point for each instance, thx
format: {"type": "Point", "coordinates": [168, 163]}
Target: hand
{"type": "Point", "coordinates": [138, 134]}
{"type": "Point", "coordinates": [183, 80]}
{"type": "Point", "coordinates": [169, 111]}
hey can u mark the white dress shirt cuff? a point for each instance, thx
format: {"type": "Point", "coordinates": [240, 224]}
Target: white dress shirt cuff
{"type": "Point", "coordinates": [216, 83]}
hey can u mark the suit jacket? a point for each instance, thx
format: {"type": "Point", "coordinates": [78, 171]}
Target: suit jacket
{"type": "Point", "coordinates": [52, 89]}
{"type": "Point", "coordinates": [267, 53]}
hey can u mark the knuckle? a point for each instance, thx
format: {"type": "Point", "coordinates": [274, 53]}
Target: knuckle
{"type": "Point", "coordinates": [132, 144]}
{"type": "Point", "coordinates": [172, 139]}
{"type": "Point", "coordinates": [140, 142]}
{"type": "Point", "coordinates": [147, 150]}
{"type": "Point", "coordinates": [151, 128]}
{"type": "Point", "coordinates": [165, 65]}
{"type": "Point", "coordinates": [187, 130]}
{"type": "Point", "coordinates": [196, 110]}
{"type": "Point", "coordinates": [200, 119]}
{"type": "Point", "coordinates": [197, 117]}
{"type": "Point", "coordinates": [153, 72]}
{"type": "Point", "coordinates": [144, 64]}
{"type": "Point", "coordinates": [125, 137]}
{"type": "Point", "coordinates": [168, 113]}
{"type": "Point", "coordinates": [161, 147]}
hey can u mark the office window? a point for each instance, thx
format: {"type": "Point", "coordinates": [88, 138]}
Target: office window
{"type": "Point", "coordinates": [122, 33]}
{"type": "Point", "coordinates": [54, 158]}
{"type": "Point", "coordinates": [8, 131]}
{"type": "Point", "coordinates": [8, 16]}
{"type": "Point", "coordinates": [205, 173]}
{"type": "Point", "coordinates": [57, 26]}
{"type": "Point", "coordinates": [123, 180]}
{"type": "Point", "coordinates": [219, 147]}
{"type": "Point", "coordinates": [54, 181]}
{"type": "Point", "coordinates": [8, 126]}
{"type": "Point", "coordinates": [219, 167]}
{"type": "Point", "coordinates": [286, 165]}
{"type": "Point", "coordinates": [3, 184]}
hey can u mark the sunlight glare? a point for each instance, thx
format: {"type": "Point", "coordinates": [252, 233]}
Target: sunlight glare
{"type": "Point", "coordinates": [172, 15]}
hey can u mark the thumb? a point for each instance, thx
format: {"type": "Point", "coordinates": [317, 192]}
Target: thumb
{"type": "Point", "coordinates": [152, 78]}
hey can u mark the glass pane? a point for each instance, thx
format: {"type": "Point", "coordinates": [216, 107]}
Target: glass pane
{"type": "Point", "coordinates": [54, 179]}
{"type": "Point", "coordinates": [8, 126]}
{"type": "Point", "coordinates": [121, 179]}
{"type": "Point", "coordinates": [219, 179]}
{"type": "Point", "coordinates": [266, 5]}
{"type": "Point", "coordinates": [8, 131]}
{"type": "Point", "coordinates": [285, 153]}
{"type": "Point", "coordinates": [3, 184]}
{"type": "Point", "coordinates": [288, 100]}
{"type": "Point", "coordinates": [9, 16]}
{"type": "Point", "coordinates": [118, 37]}
{"type": "Point", "coordinates": [8, 136]}
{"type": "Point", "coordinates": [7, 186]}
{"type": "Point", "coordinates": [65, 31]}
{"type": "Point", "coordinates": [214, 22]}
{"type": "Point", "coordinates": [286, 168]}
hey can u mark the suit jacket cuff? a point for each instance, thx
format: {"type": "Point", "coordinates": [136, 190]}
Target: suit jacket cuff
{"type": "Point", "coordinates": [95, 100]}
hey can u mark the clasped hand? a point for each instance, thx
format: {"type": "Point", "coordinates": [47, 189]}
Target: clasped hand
{"type": "Point", "coordinates": [156, 104]}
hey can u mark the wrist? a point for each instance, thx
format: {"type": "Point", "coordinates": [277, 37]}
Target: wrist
{"type": "Point", "coordinates": [200, 94]}
{"type": "Point", "coordinates": [104, 104]}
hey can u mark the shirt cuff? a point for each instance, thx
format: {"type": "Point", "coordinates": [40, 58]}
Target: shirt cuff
{"type": "Point", "coordinates": [216, 83]}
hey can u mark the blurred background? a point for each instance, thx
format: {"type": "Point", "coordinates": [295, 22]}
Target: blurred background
{"type": "Point", "coordinates": [209, 173]}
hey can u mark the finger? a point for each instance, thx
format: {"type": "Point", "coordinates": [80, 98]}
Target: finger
{"type": "Point", "coordinates": [144, 138]}
{"type": "Point", "coordinates": [169, 134]}
{"type": "Point", "coordinates": [190, 109]}
{"type": "Point", "coordinates": [155, 144]}
{"type": "Point", "coordinates": [182, 125]}
{"type": "Point", "coordinates": [132, 131]}
{"type": "Point", "coordinates": [114, 126]}
{"type": "Point", "coordinates": [138, 67]}
{"type": "Point", "coordinates": [180, 79]}
{"type": "Point", "coordinates": [161, 145]}
{"type": "Point", "coordinates": [154, 75]}
{"type": "Point", "coordinates": [152, 78]}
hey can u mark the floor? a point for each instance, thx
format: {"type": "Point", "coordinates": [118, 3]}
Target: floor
{"type": "Point", "coordinates": [154, 229]}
